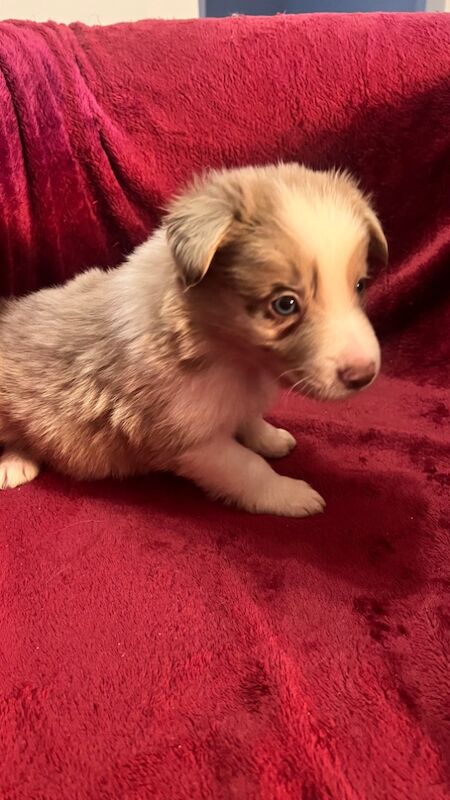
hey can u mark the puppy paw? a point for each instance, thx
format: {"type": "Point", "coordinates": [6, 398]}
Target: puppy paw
{"type": "Point", "coordinates": [268, 441]}
{"type": "Point", "coordinates": [277, 444]}
{"type": "Point", "coordinates": [16, 469]}
{"type": "Point", "coordinates": [302, 500]}
{"type": "Point", "coordinates": [284, 497]}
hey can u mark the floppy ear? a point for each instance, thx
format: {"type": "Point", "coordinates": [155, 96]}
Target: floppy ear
{"type": "Point", "coordinates": [198, 223]}
{"type": "Point", "coordinates": [378, 246]}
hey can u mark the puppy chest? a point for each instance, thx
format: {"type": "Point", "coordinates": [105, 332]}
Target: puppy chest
{"type": "Point", "coordinates": [218, 401]}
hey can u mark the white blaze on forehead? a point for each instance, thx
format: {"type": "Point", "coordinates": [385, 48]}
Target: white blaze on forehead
{"type": "Point", "coordinates": [332, 233]}
{"type": "Point", "coordinates": [329, 230]}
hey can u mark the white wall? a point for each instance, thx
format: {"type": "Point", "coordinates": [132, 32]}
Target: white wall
{"type": "Point", "coordinates": [96, 12]}
{"type": "Point", "coordinates": [437, 5]}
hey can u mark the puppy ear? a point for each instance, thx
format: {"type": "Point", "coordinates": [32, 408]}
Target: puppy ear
{"type": "Point", "coordinates": [378, 246]}
{"type": "Point", "coordinates": [199, 222]}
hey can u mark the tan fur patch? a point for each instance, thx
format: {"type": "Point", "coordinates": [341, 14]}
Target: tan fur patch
{"type": "Point", "coordinates": [120, 372]}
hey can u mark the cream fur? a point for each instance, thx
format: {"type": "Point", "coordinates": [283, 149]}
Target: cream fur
{"type": "Point", "coordinates": [128, 371]}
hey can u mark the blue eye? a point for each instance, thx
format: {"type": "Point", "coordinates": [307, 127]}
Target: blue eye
{"type": "Point", "coordinates": [285, 305]}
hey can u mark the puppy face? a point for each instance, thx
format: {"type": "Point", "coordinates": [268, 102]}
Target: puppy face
{"type": "Point", "coordinates": [276, 260]}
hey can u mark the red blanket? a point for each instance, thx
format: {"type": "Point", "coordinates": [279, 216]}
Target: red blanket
{"type": "Point", "coordinates": [154, 644]}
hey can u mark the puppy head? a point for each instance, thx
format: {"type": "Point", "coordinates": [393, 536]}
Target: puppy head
{"type": "Point", "coordinates": [276, 260]}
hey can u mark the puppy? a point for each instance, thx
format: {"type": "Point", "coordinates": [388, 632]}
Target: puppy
{"type": "Point", "coordinates": [170, 361]}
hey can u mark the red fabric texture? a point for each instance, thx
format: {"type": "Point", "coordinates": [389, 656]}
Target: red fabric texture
{"type": "Point", "coordinates": [154, 644]}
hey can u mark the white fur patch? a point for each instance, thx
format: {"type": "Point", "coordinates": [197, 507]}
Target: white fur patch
{"type": "Point", "coordinates": [331, 232]}
{"type": "Point", "coordinates": [16, 469]}
{"type": "Point", "coordinates": [327, 226]}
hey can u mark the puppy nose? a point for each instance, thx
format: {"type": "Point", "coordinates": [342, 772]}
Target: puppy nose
{"type": "Point", "coordinates": [356, 375]}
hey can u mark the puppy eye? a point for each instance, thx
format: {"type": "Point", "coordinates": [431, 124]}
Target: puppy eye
{"type": "Point", "coordinates": [285, 305]}
{"type": "Point", "coordinates": [361, 286]}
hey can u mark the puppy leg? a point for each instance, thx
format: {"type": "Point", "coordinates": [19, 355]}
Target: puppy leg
{"type": "Point", "coordinates": [265, 439]}
{"type": "Point", "coordinates": [226, 469]}
{"type": "Point", "coordinates": [16, 469]}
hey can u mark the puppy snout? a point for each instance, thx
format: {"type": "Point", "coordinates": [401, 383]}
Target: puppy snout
{"type": "Point", "coordinates": [357, 375]}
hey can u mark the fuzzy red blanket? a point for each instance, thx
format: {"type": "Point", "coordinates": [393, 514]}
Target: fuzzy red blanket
{"type": "Point", "coordinates": [154, 644]}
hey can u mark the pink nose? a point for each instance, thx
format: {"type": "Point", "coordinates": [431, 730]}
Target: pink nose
{"type": "Point", "coordinates": [357, 375]}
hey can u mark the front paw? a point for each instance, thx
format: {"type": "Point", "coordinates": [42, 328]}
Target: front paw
{"type": "Point", "coordinates": [278, 444]}
{"type": "Point", "coordinates": [285, 497]}
{"type": "Point", "coordinates": [299, 499]}
{"type": "Point", "coordinates": [266, 440]}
